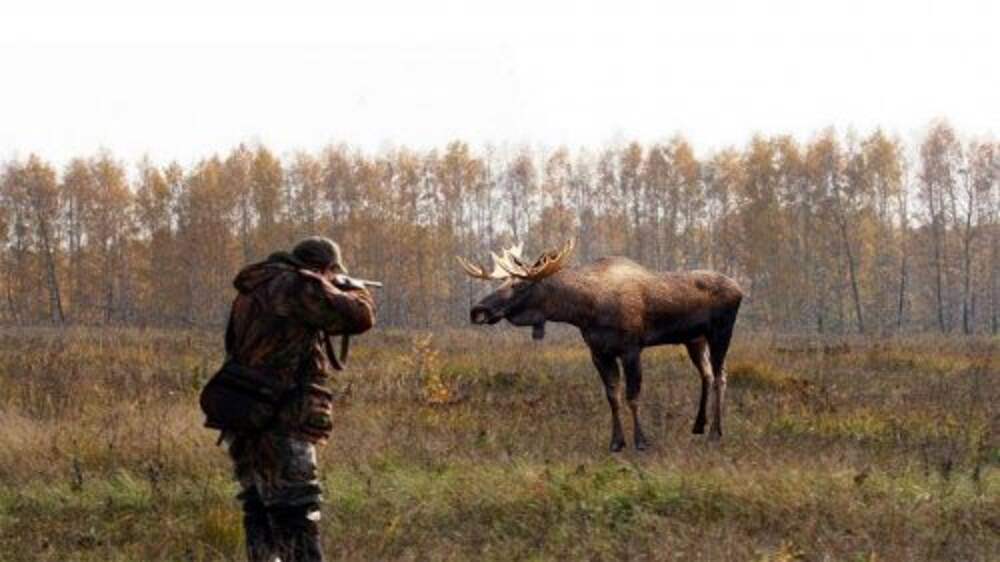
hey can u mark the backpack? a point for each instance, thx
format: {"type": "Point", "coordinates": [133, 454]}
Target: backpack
{"type": "Point", "coordinates": [240, 398]}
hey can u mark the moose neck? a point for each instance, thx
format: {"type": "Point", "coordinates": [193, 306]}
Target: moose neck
{"type": "Point", "coordinates": [565, 299]}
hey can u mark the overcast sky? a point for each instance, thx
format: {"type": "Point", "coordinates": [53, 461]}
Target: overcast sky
{"type": "Point", "coordinates": [187, 78]}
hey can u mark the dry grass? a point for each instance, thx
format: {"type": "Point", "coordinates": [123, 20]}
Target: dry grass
{"type": "Point", "coordinates": [476, 445]}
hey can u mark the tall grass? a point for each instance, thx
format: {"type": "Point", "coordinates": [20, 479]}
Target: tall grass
{"type": "Point", "coordinates": [487, 446]}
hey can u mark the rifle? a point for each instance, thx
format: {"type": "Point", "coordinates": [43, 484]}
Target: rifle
{"type": "Point", "coordinates": [342, 281]}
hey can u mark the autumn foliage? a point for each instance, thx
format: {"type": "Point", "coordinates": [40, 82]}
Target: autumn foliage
{"type": "Point", "coordinates": [839, 234]}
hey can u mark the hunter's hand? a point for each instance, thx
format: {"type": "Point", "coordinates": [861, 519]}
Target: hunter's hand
{"type": "Point", "coordinates": [364, 295]}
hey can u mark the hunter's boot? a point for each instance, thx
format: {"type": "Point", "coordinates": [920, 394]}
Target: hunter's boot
{"type": "Point", "coordinates": [296, 533]}
{"type": "Point", "coordinates": [257, 526]}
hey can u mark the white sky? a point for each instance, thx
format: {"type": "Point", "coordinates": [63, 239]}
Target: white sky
{"type": "Point", "coordinates": [182, 79]}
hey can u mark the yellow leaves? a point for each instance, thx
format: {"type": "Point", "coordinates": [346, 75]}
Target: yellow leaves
{"type": "Point", "coordinates": [786, 552]}
{"type": "Point", "coordinates": [435, 391]}
{"type": "Point", "coordinates": [424, 363]}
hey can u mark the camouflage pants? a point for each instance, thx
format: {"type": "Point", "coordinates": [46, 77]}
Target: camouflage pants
{"type": "Point", "coordinates": [279, 469]}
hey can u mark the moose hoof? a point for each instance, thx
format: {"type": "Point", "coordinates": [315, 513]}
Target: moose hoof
{"type": "Point", "coordinates": [641, 444]}
{"type": "Point", "coordinates": [617, 445]}
{"type": "Point", "coordinates": [698, 429]}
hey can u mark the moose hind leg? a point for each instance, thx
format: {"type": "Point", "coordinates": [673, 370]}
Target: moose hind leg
{"type": "Point", "coordinates": [698, 352]}
{"type": "Point", "coordinates": [633, 386]}
{"type": "Point", "coordinates": [718, 347]}
{"type": "Point", "coordinates": [607, 366]}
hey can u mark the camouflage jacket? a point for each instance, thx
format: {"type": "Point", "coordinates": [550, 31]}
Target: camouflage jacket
{"type": "Point", "coordinates": [278, 319]}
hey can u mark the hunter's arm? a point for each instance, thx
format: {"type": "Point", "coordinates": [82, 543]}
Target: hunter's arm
{"type": "Point", "coordinates": [337, 312]}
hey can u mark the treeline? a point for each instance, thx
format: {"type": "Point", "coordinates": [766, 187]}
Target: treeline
{"type": "Point", "coordinates": [837, 235]}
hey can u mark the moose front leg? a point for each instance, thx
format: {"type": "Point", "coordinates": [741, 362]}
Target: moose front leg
{"type": "Point", "coordinates": [718, 346]}
{"type": "Point", "coordinates": [698, 351]}
{"type": "Point", "coordinates": [607, 366]}
{"type": "Point", "coordinates": [633, 386]}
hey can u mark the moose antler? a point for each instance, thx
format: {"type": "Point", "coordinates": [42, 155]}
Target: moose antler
{"type": "Point", "coordinates": [549, 263]}
{"type": "Point", "coordinates": [511, 264]}
{"type": "Point", "coordinates": [499, 272]}
{"type": "Point", "coordinates": [479, 272]}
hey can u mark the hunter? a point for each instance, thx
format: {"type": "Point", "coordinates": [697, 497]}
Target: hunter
{"type": "Point", "coordinates": [278, 346]}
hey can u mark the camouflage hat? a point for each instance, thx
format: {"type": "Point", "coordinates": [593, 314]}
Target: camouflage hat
{"type": "Point", "coordinates": [320, 253]}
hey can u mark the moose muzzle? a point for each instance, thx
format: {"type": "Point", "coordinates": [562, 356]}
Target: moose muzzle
{"type": "Point", "coordinates": [484, 315]}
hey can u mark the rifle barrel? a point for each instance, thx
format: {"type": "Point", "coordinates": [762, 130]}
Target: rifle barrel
{"type": "Point", "coordinates": [345, 281]}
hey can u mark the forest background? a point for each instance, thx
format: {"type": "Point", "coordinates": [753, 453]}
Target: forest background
{"type": "Point", "coordinates": [839, 234]}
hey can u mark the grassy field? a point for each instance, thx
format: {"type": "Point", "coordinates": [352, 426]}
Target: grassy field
{"type": "Point", "coordinates": [487, 446]}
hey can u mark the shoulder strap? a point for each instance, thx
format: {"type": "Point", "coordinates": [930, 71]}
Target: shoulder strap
{"type": "Point", "coordinates": [345, 343]}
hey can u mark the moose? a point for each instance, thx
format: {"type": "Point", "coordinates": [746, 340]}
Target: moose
{"type": "Point", "coordinates": [620, 308]}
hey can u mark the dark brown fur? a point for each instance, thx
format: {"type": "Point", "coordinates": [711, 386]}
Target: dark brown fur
{"type": "Point", "coordinates": [620, 308]}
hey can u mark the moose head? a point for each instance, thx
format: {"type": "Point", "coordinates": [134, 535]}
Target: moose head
{"type": "Point", "coordinates": [520, 299]}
